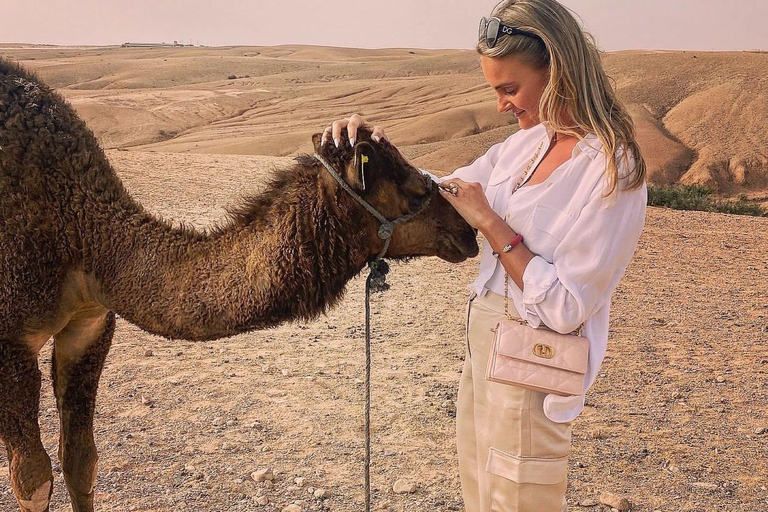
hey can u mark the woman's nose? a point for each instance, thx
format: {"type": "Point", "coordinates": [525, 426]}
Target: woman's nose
{"type": "Point", "coordinates": [503, 105]}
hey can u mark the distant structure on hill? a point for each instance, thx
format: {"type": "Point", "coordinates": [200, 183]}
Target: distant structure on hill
{"type": "Point", "coordinates": [152, 45]}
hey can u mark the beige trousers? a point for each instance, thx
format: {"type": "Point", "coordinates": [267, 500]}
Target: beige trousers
{"type": "Point", "coordinates": [512, 458]}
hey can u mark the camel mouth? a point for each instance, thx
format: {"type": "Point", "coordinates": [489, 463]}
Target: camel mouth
{"type": "Point", "coordinates": [458, 250]}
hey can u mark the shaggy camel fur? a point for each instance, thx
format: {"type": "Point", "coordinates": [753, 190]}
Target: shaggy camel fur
{"type": "Point", "coordinates": [75, 249]}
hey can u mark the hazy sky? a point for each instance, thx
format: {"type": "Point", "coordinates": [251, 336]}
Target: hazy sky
{"type": "Point", "coordinates": [617, 24]}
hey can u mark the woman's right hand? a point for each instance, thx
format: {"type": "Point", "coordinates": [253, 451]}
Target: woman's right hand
{"type": "Point", "coordinates": [351, 123]}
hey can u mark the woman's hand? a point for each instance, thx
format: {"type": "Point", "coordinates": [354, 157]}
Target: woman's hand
{"type": "Point", "coordinates": [351, 123]}
{"type": "Point", "coordinates": [469, 200]}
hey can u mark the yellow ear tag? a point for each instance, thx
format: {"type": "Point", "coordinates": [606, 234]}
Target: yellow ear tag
{"type": "Point", "coordinates": [363, 161]}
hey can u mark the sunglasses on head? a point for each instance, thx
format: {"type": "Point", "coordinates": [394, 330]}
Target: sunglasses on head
{"type": "Point", "coordinates": [493, 28]}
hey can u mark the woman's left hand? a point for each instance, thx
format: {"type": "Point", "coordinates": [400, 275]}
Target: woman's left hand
{"type": "Point", "coordinates": [468, 198]}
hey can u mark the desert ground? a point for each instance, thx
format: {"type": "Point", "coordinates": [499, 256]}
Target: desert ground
{"type": "Point", "coordinates": [678, 418]}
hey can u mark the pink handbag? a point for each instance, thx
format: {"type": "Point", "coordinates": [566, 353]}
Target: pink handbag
{"type": "Point", "coordinates": [538, 359]}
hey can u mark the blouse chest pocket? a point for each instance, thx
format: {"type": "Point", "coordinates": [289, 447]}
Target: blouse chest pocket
{"type": "Point", "coordinates": [549, 225]}
{"type": "Point", "coordinates": [495, 184]}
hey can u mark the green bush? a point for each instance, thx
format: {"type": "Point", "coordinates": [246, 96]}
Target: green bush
{"type": "Point", "coordinates": [698, 197]}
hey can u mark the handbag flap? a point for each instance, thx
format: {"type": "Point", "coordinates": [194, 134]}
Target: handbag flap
{"type": "Point", "coordinates": [542, 346]}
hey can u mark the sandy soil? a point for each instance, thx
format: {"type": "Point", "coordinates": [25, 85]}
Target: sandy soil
{"type": "Point", "coordinates": [677, 420]}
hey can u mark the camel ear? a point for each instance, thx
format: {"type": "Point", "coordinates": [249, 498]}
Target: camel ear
{"type": "Point", "coordinates": [316, 138]}
{"type": "Point", "coordinates": [361, 171]}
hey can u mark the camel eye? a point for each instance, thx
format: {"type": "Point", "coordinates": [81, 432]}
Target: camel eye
{"type": "Point", "coordinates": [416, 201]}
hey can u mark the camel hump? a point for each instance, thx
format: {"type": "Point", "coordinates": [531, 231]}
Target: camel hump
{"type": "Point", "coordinates": [39, 130]}
{"type": "Point", "coordinates": [20, 87]}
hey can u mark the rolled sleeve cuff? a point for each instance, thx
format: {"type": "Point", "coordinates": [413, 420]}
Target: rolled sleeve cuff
{"type": "Point", "coordinates": [538, 277]}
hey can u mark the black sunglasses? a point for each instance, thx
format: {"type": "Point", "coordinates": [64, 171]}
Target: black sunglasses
{"type": "Point", "coordinates": [493, 28]}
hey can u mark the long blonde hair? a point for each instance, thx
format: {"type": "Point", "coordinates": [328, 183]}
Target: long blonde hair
{"type": "Point", "coordinates": [578, 85]}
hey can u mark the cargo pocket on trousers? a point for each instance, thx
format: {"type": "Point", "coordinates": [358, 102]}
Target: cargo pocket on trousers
{"type": "Point", "coordinates": [526, 483]}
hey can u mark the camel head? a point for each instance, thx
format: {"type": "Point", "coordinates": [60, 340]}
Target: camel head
{"type": "Point", "coordinates": [378, 173]}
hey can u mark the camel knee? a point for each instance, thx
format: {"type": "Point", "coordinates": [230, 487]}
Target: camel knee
{"type": "Point", "coordinates": [32, 480]}
{"type": "Point", "coordinates": [38, 500]}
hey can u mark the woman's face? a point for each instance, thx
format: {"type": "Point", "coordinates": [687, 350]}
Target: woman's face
{"type": "Point", "coordinates": [518, 85]}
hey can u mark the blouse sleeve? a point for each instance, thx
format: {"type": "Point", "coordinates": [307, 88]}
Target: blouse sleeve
{"type": "Point", "coordinates": [589, 262]}
{"type": "Point", "coordinates": [478, 171]}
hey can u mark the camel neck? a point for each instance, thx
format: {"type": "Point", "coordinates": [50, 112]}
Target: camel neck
{"type": "Point", "coordinates": [286, 255]}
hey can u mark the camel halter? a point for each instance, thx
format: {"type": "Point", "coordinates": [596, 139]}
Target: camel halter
{"type": "Point", "coordinates": [376, 280]}
{"type": "Point", "coordinates": [387, 227]}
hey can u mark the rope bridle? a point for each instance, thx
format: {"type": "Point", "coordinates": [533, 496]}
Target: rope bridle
{"type": "Point", "coordinates": [376, 280]}
{"type": "Point", "coordinates": [387, 227]}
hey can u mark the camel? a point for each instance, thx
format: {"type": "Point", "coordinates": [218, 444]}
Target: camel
{"type": "Point", "coordinates": [76, 249]}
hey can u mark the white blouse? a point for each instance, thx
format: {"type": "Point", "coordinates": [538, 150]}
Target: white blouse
{"type": "Point", "coordinates": [583, 241]}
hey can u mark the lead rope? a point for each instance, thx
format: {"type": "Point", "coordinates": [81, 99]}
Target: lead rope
{"type": "Point", "coordinates": [377, 281]}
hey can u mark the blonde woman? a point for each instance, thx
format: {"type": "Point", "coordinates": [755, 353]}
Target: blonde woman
{"type": "Point", "coordinates": [561, 205]}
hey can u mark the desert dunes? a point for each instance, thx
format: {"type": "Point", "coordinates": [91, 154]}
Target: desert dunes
{"type": "Point", "coordinates": [701, 116]}
{"type": "Point", "coordinates": [677, 419]}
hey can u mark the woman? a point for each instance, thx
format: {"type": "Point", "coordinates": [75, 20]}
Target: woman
{"type": "Point", "coordinates": [580, 208]}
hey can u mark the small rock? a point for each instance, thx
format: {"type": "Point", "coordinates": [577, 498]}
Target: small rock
{"type": "Point", "coordinates": [145, 400]}
{"type": "Point", "coordinates": [759, 431]}
{"type": "Point", "coordinates": [261, 500]}
{"type": "Point", "coordinates": [231, 423]}
{"type": "Point", "coordinates": [292, 508]}
{"type": "Point", "coordinates": [588, 503]}
{"type": "Point", "coordinates": [287, 373]}
{"type": "Point", "coordinates": [148, 353]}
{"type": "Point", "coordinates": [705, 485]}
{"type": "Point", "coordinates": [299, 481]}
{"type": "Point", "coordinates": [615, 501]}
{"type": "Point", "coordinates": [311, 490]}
{"type": "Point", "coordinates": [292, 488]}
{"type": "Point", "coordinates": [218, 421]}
{"type": "Point", "coordinates": [720, 379]}
{"type": "Point", "coordinates": [263, 475]}
{"type": "Point", "coordinates": [320, 494]}
{"type": "Point", "coordinates": [404, 487]}
{"type": "Point", "coordinates": [269, 484]}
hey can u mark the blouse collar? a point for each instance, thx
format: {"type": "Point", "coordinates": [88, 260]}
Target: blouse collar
{"type": "Point", "coordinates": [589, 145]}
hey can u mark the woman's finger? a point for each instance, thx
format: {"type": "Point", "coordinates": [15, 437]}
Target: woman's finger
{"type": "Point", "coordinates": [355, 122]}
{"type": "Point", "coordinates": [336, 128]}
{"type": "Point", "coordinates": [378, 134]}
{"type": "Point", "coordinates": [326, 135]}
{"type": "Point", "coordinates": [448, 195]}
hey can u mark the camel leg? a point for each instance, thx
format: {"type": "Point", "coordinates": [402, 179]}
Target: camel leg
{"type": "Point", "coordinates": [80, 350]}
{"type": "Point", "coordinates": [30, 466]}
